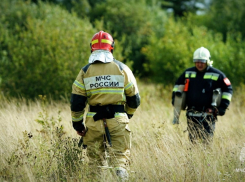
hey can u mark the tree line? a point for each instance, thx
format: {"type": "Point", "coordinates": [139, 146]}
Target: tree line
{"type": "Point", "coordinates": [44, 44]}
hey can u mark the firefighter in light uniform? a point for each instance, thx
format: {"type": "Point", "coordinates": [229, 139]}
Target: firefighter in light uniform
{"type": "Point", "coordinates": [202, 80]}
{"type": "Point", "coordinates": [109, 87]}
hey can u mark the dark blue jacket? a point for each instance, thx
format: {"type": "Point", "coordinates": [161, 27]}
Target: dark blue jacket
{"type": "Point", "coordinates": [201, 86]}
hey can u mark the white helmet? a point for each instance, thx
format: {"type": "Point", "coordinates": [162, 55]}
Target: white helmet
{"type": "Point", "coordinates": [202, 55]}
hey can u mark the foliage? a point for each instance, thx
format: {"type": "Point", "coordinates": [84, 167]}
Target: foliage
{"type": "Point", "coordinates": [181, 7]}
{"type": "Point", "coordinates": [227, 17]}
{"type": "Point", "coordinates": [131, 22]}
{"type": "Point", "coordinates": [80, 7]}
{"type": "Point", "coordinates": [43, 44]}
{"type": "Point", "coordinates": [172, 53]}
{"type": "Point", "coordinates": [42, 48]}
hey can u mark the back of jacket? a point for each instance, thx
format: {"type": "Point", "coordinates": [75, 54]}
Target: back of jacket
{"type": "Point", "coordinates": [201, 86]}
{"type": "Point", "coordinates": [100, 84]}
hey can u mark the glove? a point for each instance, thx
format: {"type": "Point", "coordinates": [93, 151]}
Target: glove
{"type": "Point", "coordinates": [221, 111]}
{"type": "Point", "coordinates": [79, 127]}
{"type": "Point", "coordinates": [82, 133]}
{"type": "Point", "coordinates": [213, 111]}
{"type": "Point", "coordinates": [129, 115]}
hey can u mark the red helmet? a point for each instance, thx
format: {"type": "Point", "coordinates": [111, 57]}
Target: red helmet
{"type": "Point", "coordinates": [102, 40]}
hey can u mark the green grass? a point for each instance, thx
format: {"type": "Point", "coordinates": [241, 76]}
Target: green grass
{"type": "Point", "coordinates": [38, 143]}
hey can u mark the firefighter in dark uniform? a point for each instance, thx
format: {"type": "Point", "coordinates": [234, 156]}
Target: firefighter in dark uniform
{"type": "Point", "coordinates": [109, 88]}
{"type": "Point", "coordinates": [200, 81]}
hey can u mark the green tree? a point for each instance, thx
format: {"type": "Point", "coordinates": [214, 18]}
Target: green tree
{"type": "Point", "coordinates": [131, 22]}
{"type": "Point", "coordinates": [170, 54]}
{"type": "Point", "coordinates": [226, 17]}
{"type": "Point", "coordinates": [181, 7]}
{"type": "Point", "coordinates": [43, 47]}
{"type": "Point", "coordinates": [80, 7]}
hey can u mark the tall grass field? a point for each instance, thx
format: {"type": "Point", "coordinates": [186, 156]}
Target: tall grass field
{"type": "Point", "coordinates": [38, 143]}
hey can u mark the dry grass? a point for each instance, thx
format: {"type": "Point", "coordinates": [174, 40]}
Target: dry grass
{"type": "Point", "coordinates": [160, 151]}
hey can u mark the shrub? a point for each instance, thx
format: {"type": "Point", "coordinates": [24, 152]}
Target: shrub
{"type": "Point", "coordinates": [42, 50]}
{"type": "Point", "coordinates": [169, 55]}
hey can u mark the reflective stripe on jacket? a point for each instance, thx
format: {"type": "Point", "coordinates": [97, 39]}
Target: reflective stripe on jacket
{"type": "Point", "coordinates": [100, 84]}
{"type": "Point", "coordinates": [201, 86]}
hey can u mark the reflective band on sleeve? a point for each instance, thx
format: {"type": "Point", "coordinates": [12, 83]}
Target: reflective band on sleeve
{"type": "Point", "coordinates": [213, 76]}
{"type": "Point", "coordinates": [129, 85]}
{"type": "Point", "coordinates": [95, 41]}
{"type": "Point", "coordinates": [175, 88]}
{"type": "Point", "coordinates": [104, 81]}
{"type": "Point", "coordinates": [90, 114]}
{"type": "Point", "coordinates": [226, 95]}
{"type": "Point", "coordinates": [190, 74]}
{"type": "Point", "coordinates": [77, 119]}
{"type": "Point", "coordinates": [78, 84]}
{"type": "Point", "coordinates": [106, 41]}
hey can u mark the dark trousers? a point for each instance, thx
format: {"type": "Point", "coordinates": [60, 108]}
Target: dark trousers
{"type": "Point", "coordinates": [201, 128]}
